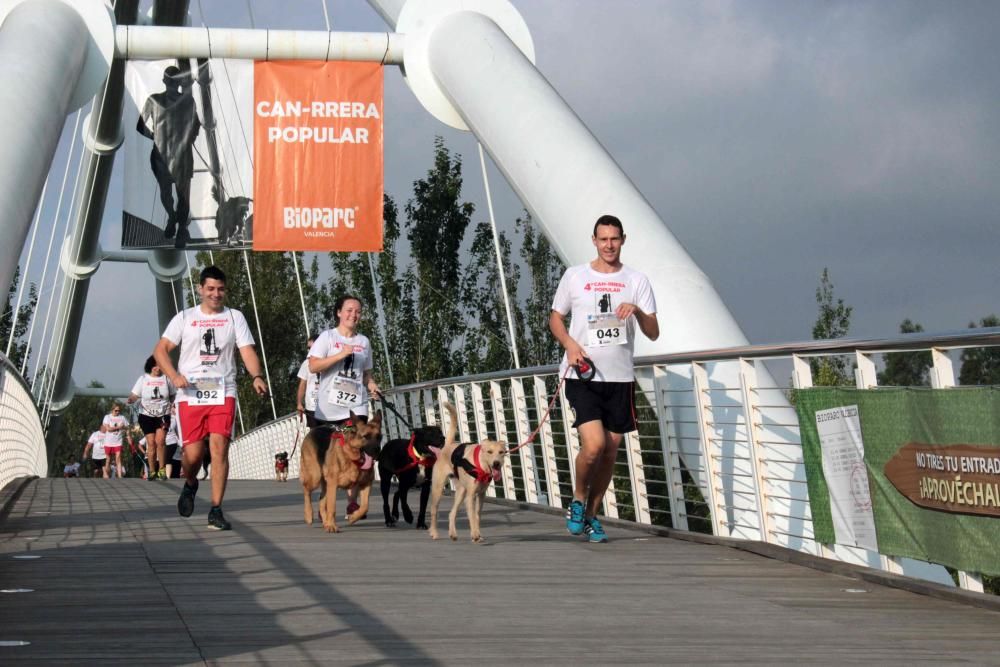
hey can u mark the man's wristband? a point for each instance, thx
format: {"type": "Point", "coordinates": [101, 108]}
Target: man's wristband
{"type": "Point", "coordinates": [261, 377]}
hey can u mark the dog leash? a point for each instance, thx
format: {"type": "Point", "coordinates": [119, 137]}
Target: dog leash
{"type": "Point", "coordinates": [585, 371]}
{"type": "Point", "coordinates": [392, 408]}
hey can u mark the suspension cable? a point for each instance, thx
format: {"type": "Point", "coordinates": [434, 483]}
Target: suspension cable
{"type": "Point", "coordinates": [27, 267]}
{"type": "Point", "coordinates": [380, 318]}
{"type": "Point", "coordinates": [500, 266]}
{"type": "Point", "coordinates": [302, 298]}
{"type": "Point", "coordinates": [48, 252]}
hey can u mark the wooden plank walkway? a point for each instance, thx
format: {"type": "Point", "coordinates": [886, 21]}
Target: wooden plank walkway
{"type": "Point", "coordinates": [121, 579]}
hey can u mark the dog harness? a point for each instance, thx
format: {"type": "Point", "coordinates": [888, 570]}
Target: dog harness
{"type": "Point", "coordinates": [416, 459]}
{"type": "Point", "coordinates": [363, 462]}
{"type": "Point", "coordinates": [473, 469]}
{"type": "Point", "coordinates": [281, 465]}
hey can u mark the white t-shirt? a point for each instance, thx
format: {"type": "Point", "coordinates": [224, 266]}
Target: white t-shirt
{"type": "Point", "coordinates": [96, 441]}
{"type": "Point", "coordinates": [208, 343]}
{"type": "Point", "coordinates": [312, 386]}
{"type": "Point", "coordinates": [342, 386]}
{"type": "Point", "coordinates": [172, 437]}
{"type": "Point", "coordinates": [114, 438]}
{"type": "Point", "coordinates": [590, 298]}
{"type": "Point", "coordinates": [155, 394]}
{"type": "Point", "coordinates": [71, 468]}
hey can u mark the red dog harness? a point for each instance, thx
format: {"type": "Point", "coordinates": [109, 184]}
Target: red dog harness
{"type": "Point", "coordinates": [281, 465]}
{"type": "Point", "coordinates": [415, 458]}
{"type": "Point", "coordinates": [474, 469]}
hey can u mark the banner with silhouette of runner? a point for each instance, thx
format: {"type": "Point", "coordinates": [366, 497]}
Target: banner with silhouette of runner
{"type": "Point", "coordinates": [188, 154]}
{"type": "Point", "coordinates": [318, 176]}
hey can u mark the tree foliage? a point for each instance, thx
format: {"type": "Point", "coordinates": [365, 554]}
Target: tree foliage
{"type": "Point", "coordinates": [906, 369]}
{"type": "Point", "coordinates": [20, 349]}
{"type": "Point", "coordinates": [544, 269]}
{"type": "Point", "coordinates": [834, 321]}
{"type": "Point", "coordinates": [981, 365]}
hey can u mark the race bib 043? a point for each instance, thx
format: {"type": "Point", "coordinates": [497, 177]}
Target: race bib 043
{"type": "Point", "coordinates": [606, 331]}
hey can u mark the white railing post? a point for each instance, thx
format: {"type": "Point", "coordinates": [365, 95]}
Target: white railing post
{"type": "Point", "coordinates": [527, 453]}
{"type": "Point", "coordinates": [430, 414]}
{"type": "Point", "coordinates": [758, 465]}
{"type": "Point", "coordinates": [640, 497]}
{"type": "Point", "coordinates": [943, 377]}
{"type": "Point", "coordinates": [802, 379]}
{"type": "Point", "coordinates": [500, 422]}
{"type": "Point", "coordinates": [412, 397]}
{"type": "Point", "coordinates": [463, 415]}
{"type": "Point", "coordinates": [709, 463]}
{"type": "Point", "coordinates": [552, 491]}
{"type": "Point", "coordinates": [671, 456]}
{"type": "Point", "coordinates": [572, 438]}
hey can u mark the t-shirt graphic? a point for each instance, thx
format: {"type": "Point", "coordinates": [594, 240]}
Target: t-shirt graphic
{"type": "Point", "coordinates": [348, 369]}
{"type": "Point", "coordinates": [210, 350]}
{"type": "Point", "coordinates": [604, 304]}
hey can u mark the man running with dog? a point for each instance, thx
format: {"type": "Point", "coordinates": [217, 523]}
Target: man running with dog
{"type": "Point", "coordinates": [205, 379]}
{"type": "Point", "coordinates": [605, 301]}
{"type": "Point", "coordinates": [342, 358]}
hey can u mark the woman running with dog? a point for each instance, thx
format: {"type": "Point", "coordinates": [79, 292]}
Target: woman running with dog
{"type": "Point", "coordinates": [343, 359]}
{"type": "Point", "coordinates": [155, 394]}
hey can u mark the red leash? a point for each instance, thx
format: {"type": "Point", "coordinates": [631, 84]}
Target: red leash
{"type": "Point", "coordinates": [552, 403]}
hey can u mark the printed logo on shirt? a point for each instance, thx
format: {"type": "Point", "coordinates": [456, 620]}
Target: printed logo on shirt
{"type": "Point", "coordinates": [208, 345]}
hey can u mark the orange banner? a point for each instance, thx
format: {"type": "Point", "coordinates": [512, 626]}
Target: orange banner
{"type": "Point", "coordinates": [318, 172]}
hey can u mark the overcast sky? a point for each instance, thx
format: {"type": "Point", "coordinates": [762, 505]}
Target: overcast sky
{"type": "Point", "coordinates": [773, 138]}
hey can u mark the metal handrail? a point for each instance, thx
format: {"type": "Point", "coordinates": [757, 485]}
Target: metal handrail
{"type": "Point", "coordinates": [983, 337]}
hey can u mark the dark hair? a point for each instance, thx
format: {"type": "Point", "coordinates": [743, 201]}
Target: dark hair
{"type": "Point", "coordinates": [611, 221]}
{"type": "Point", "coordinates": [150, 363]}
{"type": "Point", "coordinates": [212, 272]}
{"type": "Point", "coordinates": [339, 303]}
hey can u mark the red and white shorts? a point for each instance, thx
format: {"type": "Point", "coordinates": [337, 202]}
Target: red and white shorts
{"type": "Point", "coordinates": [111, 451]}
{"type": "Point", "coordinates": [196, 422]}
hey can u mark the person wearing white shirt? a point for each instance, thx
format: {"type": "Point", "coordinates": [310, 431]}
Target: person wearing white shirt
{"type": "Point", "coordinates": [606, 301]}
{"type": "Point", "coordinates": [95, 447]}
{"type": "Point", "coordinates": [115, 426]}
{"type": "Point", "coordinates": [171, 449]}
{"type": "Point", "coordinates": [308, 391]}
{"type": "Point", "coordinates": [209, 336]}
{"type": "Point", "coordinates": [343, 359]}
{"type": "Point", "coordinates": [154, 392]}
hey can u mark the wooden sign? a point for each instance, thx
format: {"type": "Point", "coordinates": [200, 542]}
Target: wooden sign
{"type": "Point", "coordinates": [960, 479]}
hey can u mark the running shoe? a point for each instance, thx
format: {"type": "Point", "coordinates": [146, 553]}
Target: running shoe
{"type": "Point", "coordinates": [217, 521]}
{"type": "Point", "coordinates": [574, 518]}
{"type": "Point", "coordinates": [162, 474]}
{"type": "Point", "coordinates": [185, 504]}
{"type": "Point", "coordinates": [595, 530]}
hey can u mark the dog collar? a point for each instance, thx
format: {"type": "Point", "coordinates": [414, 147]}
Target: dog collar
{"type": "Point", "coordinates": [415, 458]}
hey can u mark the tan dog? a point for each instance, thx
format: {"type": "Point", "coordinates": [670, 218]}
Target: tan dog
{"type": "Point", "coordinates": [332, 459]}
{"type": "Point", "coordinates": [473, 467]}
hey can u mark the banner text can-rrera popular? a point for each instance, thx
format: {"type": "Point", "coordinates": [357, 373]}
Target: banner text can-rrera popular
{"type": "Point", "coordinates": [318, 172]}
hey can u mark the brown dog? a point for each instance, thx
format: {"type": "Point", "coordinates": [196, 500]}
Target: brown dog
{"type": "Point", "coordinates": [473, 467]}
{"type": "Point", "coordinates": [332, 459]}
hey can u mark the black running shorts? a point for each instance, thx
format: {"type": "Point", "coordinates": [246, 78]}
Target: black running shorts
{"type": "Point", "coordinates": [153, 424]}
{"type": "Point", "coordinates": [611, 403]}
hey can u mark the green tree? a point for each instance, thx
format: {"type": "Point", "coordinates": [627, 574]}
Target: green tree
{"type": "Point", "coordinates": [834, 321]}
{"type": "Point", "coordinates": [487, 341]}
{"type": "Point", "coordinates": [981, 365]}
{"type": "Point", "coordinates": [20, 349]}
{"type": "Point", "coordinates": [906, 369]}
{"type": "Point", "coordinates": [436, 220]}
{"type": "Point", "coordinates": [544, 269]}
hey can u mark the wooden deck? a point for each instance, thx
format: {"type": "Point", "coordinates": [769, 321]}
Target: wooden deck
{"type": "Point", "coordinates": [121, 579]}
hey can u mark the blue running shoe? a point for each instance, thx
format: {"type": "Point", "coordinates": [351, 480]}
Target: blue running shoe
{"type": "Point", "coordinates": [574, 518]}
{"type": "Point", "coordinates": [595, 530]}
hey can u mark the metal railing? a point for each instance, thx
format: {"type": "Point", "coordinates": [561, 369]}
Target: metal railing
{"type": "Point", "coordinates": [22, 441]}
{"type": "Point", "coordinates": [717, 448]}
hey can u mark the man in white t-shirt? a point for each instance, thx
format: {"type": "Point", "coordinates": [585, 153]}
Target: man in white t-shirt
{"type": "Point", "coordinates": [606, 301]}
{"type": "Point", "coordinates": [95, 446]}
{"type": "Point", "coordinates": [209, 336]}
{"type": "Point", "coordinates": [115, 426]}
{"type": "Point", "coordinates": [308, 390]}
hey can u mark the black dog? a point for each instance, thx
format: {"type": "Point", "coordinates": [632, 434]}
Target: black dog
{"type": "Point", "coordinates": [409, 461]}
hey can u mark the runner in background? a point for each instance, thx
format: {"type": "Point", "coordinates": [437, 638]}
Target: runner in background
{"type": "Point", "coordinates": [154, 393]}
{"type": "Point", "coordinates": [95, 447]}
{"type": "Point", "coordinates": [115, 426]}
{"type": "Point", "coordinates": [305, 398]}
{"type": "Point", "coordinates": [170, 449]}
